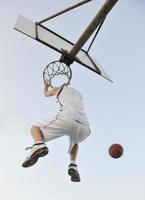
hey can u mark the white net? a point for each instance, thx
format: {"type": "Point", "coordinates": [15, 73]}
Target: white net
{"type": "Point", "coordinates": [57, 73]}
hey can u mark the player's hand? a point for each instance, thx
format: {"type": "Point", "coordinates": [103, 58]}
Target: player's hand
{"type": "Point", "coordinates": [46, 84]}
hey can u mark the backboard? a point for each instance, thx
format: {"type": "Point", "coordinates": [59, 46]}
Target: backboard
{"type": "Point", "coordinates": [53, 40]}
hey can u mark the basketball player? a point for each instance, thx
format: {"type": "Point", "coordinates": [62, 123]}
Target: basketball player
{"type": "Point", "coordinates": [71, 121]}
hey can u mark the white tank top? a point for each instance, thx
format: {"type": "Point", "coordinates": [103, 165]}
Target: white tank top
{"type": "Point", "coordinates": [71, 104]}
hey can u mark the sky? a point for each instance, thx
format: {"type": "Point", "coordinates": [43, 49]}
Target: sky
{"type": "Point", "coordinates": [116, 111]}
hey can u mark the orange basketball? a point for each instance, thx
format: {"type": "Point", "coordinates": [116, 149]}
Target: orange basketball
{"type": "Point", "coordinates": [115, 150]}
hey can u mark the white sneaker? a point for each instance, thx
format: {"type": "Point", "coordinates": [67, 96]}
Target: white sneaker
{"type": "Point", "coordinates": [37, 150]}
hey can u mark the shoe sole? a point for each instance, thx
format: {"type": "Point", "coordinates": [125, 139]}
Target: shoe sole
{"type": "Point", "coordinates": [74, 177]}
{"type": "Point", "coordinates": [35, 156]}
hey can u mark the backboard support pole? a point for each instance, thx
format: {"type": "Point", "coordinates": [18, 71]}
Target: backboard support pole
{"type": "Point", "coordinates": [64, 11]}
{"type": "Point", "coordinates": [106, 8]}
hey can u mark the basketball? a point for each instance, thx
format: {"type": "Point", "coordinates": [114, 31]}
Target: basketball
{"type": "Point", "coordinates": [115, 150]}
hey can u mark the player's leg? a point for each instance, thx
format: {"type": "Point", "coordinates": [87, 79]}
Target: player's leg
{"type": "Point", "coordinates": [39, 149]}
{"type": "Point", "coordinates": [74, 152]}
{"type": "Point", "coordinates": [46, 130]}
{"type": "Point", "coordinates": [84, 132]}
{"type": "Point", "coordinates": [36, 134]}
{"type": "Point", "coordinates": [73, 169]}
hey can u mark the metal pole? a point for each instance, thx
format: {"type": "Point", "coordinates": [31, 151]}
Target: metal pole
{"type": "Point", "coordinates": [64, 11]}
{"type": "Point", "coordinates": [96, 35]}
{"type": "Point", "coordinates": [108, 5]}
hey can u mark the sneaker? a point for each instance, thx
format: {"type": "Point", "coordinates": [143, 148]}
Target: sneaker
{"type": "Point", "coordinates": [37, 151]}
{"type": "Point", "coordinates": [73, 172]}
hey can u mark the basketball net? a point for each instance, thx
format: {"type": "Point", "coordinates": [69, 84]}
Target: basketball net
{"type": "Point", "coordinates": [57, 73]}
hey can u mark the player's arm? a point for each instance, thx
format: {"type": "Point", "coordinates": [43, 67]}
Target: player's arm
{"type": "Point", "coordinates": [51, 91]}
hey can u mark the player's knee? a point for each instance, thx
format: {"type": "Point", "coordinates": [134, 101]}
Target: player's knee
{"type": "Point", "coordinates": [34, 129]}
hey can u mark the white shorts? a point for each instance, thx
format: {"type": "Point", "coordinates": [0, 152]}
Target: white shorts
{"type": "Point", "coordinates": [59, 126]}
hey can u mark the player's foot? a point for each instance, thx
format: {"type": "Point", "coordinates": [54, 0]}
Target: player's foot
{"type": "Point", "coordinates": [37, 150]}
{"type": "Point", "coordinates": [73, 172]}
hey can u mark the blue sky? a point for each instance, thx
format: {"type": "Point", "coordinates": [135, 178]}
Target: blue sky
{"type": "Point", "coordinates": [116, 111]}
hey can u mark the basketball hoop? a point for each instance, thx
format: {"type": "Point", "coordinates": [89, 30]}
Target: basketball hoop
{"type": "Point", "coordinates": [69, 51]}
{"type": "Point", "coordinates": [56, 69]}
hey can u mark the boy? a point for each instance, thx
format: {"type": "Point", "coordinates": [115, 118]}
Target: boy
{"type": "Point", "coordinates": [71, 121]}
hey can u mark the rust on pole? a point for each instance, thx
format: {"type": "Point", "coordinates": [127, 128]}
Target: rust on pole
{"type": "Point", "coordinates": [105, 9]}
{"type": "Point", "coordinates": [64, 11]}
